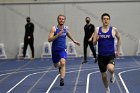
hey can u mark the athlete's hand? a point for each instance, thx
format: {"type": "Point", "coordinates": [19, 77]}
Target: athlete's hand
{"type": "Point", "coordinates": [117, 53]}
{"type": "Point", "coordinates": [77, 43]}
{"type": "Point", "coordinates": [60, 33]}
{"type": "Point", "coordinates": [97, 37]}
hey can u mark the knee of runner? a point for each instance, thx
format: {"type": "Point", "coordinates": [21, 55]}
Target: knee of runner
{"type": "Point", "coordinates": [62, 62]}
{"type": "Point", "coordinates": [111, 70]}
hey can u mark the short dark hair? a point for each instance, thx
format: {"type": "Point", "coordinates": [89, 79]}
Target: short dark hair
{"type": "Point", "coordinates": [61, 15]}
{"type": "Point", "coordinates": [105, 14]}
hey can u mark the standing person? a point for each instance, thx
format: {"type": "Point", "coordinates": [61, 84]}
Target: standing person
{"type": "Point", "coordinates": [58, 38]}
{"type": "Point", "coordinates": [88, 40]}
{"type": "Point", "coordinates": [105, 35]}
{"type": "Point", "coordinates": [29, 37]}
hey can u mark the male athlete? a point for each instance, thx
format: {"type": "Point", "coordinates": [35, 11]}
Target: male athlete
{"type": "Point", "coordinates": [105, 36]}
{"type": "Point", "coordinates": [58, 38]}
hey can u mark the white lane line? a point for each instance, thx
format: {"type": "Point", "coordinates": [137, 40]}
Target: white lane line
{"type": "Point", "coordinates": [137, 62]}
{"type": "Point", "coordinates": [124, 85]}
{"type": "Point", "coordinates": [29, 90]}
{"type": "Point", "coordinates": [48, 90]}
{"type": "Point", "coordinates": [24, 79]}
{"type": "Point", "coordinates": [77, 79]}
{"type": "Point", "coordinates": [41, 72]}
{"type": "Point", "coordinates": [21, 71]}
{"type": "Point", "coordinates": [88, 78]}
{"type": "Point", "coordinates": [41, 78]}
{"type": "Point", "coordinates": [11, 70]}
{"type": "Point", "coordinates": [118, 84]}
{"type": "Point", "coordinates": [47, 67]}
{"type": "Point", "coordinates": [14, 71]}
{"type": "Point", "coordinates": [31, 75]}
{"type": "Point", "coordinates": [52, 83]}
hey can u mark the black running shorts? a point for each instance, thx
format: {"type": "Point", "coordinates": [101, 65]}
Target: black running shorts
{"type": "Point", "coordinates": [103, 61]}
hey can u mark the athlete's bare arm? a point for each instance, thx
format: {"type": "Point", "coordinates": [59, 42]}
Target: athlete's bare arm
{"type": "Point", "coordinates": [95, 36]}
{"type": "Point", "coordinates": [70, 36]}
{"type": "Point", "coordinates": [117, 35]}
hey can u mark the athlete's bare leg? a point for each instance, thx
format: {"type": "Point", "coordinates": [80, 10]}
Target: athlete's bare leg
{"type": "Point", "coordinates": [63, 67]}
{"type": "Point", "coordinates": [105, 81]}
{"type": "Point", "coordinates": [111, 70]}
{"type": "Point", "coordinates": [62, 70]}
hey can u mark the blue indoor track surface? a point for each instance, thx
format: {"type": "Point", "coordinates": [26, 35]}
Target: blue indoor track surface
{"type": "Point", "coordinates": [39, 76]}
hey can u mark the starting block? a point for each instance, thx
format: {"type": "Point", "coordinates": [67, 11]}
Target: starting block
{"type": "Point", "coordinates": [2, 52]}
{"type": "Point", "coordinates": [46, 50]}
{"type": "Point", "coordinates": [71, 51]}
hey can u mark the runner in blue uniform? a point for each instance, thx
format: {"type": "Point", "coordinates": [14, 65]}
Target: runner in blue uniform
{"type": "Point", "coordinates": [58, 38]}
{"type": "Point", "coordinates": [105, 36]}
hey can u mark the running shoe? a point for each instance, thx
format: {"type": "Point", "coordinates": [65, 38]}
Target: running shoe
{"type": "Point", "coordinates": [61, 82]}
{"type": "Point", "coordinates": [107, 90]}
{"type": "Point", "coordinates": [112, 79]}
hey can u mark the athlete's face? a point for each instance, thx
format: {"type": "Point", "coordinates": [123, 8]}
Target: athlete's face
{"type": "Point", "coordinates": [106, 20]}
{"type": "Point", "coordinates": [61, 20]}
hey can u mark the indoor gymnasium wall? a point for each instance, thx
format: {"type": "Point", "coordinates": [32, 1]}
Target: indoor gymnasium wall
{"type": "Point", "coordinates": [124, 15]}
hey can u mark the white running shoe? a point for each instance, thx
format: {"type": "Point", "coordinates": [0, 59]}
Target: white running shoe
{"type": "Point", "coordinates": [107, 90]}
{"type": "Point", "coordinates": [112, 79]}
